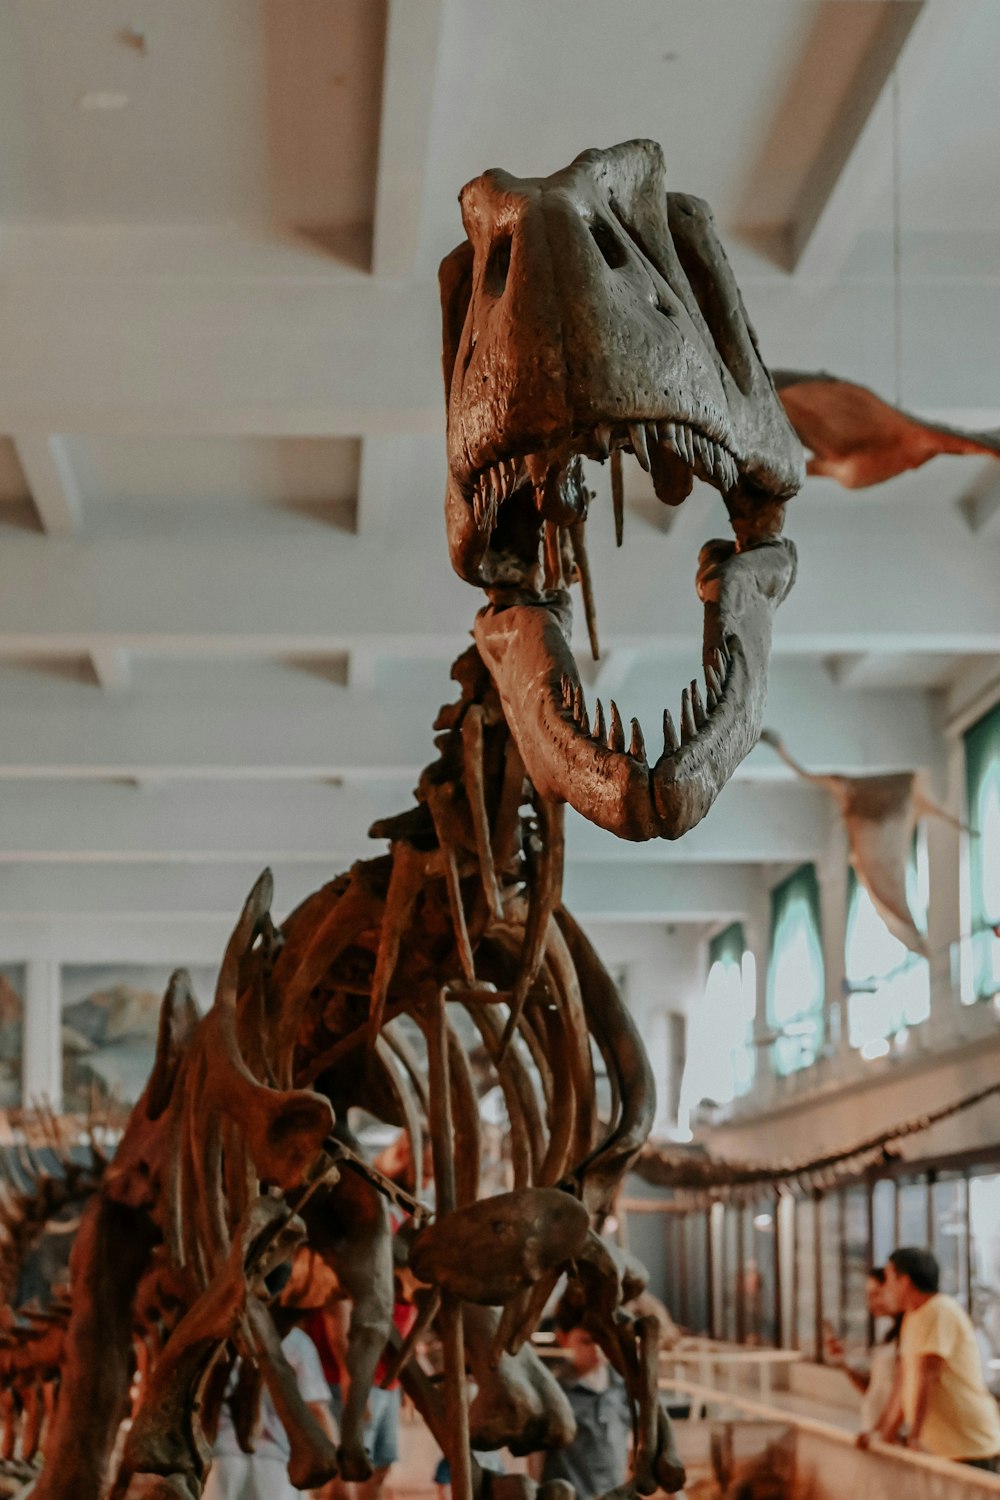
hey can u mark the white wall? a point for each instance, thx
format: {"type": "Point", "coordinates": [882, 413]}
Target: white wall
{"type": "Point", "coordinates": [844, 1097]}
{"type": "Point", "coordinates": [663, 969]}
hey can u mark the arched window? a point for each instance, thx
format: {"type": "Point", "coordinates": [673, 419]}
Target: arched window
{"type": "Point", "coordinates": [720, 1054]}
{"type": "Point", "coordinates": [889, 988]}
{"type": "Point", "coordinates": [795, 973]}
{"type": "Point", "coordinates": [982, 781]}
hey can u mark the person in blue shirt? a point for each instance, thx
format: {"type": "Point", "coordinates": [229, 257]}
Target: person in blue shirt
{"type": "Point", "coordinates": [597, 1459]}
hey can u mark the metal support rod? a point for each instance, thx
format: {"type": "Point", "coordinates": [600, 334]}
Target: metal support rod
{"type": "Point", "coordinates": [456, 1392]}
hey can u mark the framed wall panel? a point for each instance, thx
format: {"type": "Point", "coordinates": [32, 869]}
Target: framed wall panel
{"type": "Point", "coordinates": [110, 1014]}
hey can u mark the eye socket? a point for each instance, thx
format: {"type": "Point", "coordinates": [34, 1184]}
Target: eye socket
{"type": "Point", "coordinates": [497, 266]}
{"type": "Point", "coordinates": [614, 253]}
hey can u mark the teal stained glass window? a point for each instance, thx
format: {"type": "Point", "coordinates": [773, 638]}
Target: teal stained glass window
{"type": "Point", "coordinates": [889, 987]}
{"type": "Point", "coordinates": [720, 1053]}
{"type": "Point", "coordinates": [795, 971]}
{"type": "Point", "coordinates": [982, 781]}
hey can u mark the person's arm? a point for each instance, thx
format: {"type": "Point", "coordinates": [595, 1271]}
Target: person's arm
{"type": "Point", "coordinates": [891, 1420]}
{"type": "Point", "coordinates": [835, 1356]}
{"type": "Point", "coordinates": [321, 1411]}
{"type": "Point", "coordinates": [337, 1323]}
{"type": "Point", "coordinates": [929, 1369]}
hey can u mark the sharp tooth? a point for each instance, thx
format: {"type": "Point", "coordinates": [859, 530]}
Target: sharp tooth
{"type": "Point", "coordinates": [567, 691]}
{"type": "Point", "coordinates": [729, 470]}
{"type": "Point", "coordinates": [618, 496]}
{"type": "Point", "coordinates": [637, 747]}
{"type": "Point", "coordinates": [711, 700]}
{"type": "Point", "coordinates": [616, 734]}
{"type": "Point", "coordinates": [668, 434]}
{"type": "Point", "coordinates": [496, 480]}
{"type": "Point", "coordinates": [579, 707]}
{"type": "Point", "coordinates": [637, 437]}
{"type": "Point", "coordinates": [484, 507]}
{"type": "Point", "coordinates": [697, 707]}
{"type": "Point", "coordinates": [712, 681]}
{"type": "Point", "coordinates": [599, 733]}
{"type": "Point", "coordinates": [670, 740]}
{"type": "Point", "coordinates": [684, 434]}
{"type": "Point", "coordinates": [602, 438]}
{"type": "Point", "coordinates": [705, 454]}
{"type": "Point", "coordinates": [584, 721]}
{"type": "Point", "coordinates": [688, 727]}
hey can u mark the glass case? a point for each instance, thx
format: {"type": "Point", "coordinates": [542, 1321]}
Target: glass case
{"type": "Point", "coordinates": [856, 1264]}
{"type": "Point", "coordinates": [950, 1243]}
{"type": "Point", "coordinates": [804, 1300]}
{"type": "Point", "coordinates": [984, 1246]}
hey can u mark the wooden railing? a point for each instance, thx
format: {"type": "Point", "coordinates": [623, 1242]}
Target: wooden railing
{"type": "Point", "coordinates": [972, 1481]}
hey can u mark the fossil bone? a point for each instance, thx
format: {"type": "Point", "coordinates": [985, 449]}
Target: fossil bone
{"type": "Point", "coordinates": [588, 314]}
{"type": "Point", "coordinates": [880, 814]}
{"type": "Point", "coordinates": [858, 439]}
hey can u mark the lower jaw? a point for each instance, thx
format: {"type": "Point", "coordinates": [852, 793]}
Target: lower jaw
{"type": "Point", "coordinates": [527, 653]}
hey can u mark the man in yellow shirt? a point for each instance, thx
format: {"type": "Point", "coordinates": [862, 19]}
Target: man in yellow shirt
{"type": "Point", "coordinates": [940, 1393]}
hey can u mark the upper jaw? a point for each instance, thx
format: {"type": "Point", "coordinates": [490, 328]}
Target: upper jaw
{"type": "Point", "coordinates": [673, 450]}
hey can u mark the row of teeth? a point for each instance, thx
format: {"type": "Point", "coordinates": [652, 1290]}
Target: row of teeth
{"type": "Point", "coordinates": [708, 457]}
{"type": "Point", "coordinates": [694, 715]}
{"type": "Point", "coordinates": [712, 460]}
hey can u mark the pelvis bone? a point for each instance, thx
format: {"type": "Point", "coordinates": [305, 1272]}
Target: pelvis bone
{"type": "Point", "coordinates": [491, 1250]}
{"type": "Point", "coordinates": [591, 313]}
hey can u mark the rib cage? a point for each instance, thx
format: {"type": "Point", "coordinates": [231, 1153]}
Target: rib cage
{"type": "Point", "coordinates": [232, 1153]}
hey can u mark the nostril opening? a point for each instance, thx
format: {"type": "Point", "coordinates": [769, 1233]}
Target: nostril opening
{"type": "Point", "coordinates": [613, 251]}
{"type": "Point", "coordinates": [497, 266]}
{"type": "Point", "coordinates": [662, 307]}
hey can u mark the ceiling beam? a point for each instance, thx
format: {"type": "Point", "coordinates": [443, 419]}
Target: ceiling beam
{"type": "Point", "coordinates": [145, 354]}
{"type": "Point", "coordinates": [86, 351]}
{"type": "Point", "coordinates": [902, 580]}
{"type": "Point", "coordinates": [214, 893]}
{"type": "Point", "coordinates": [846, 668]}
{"type": "Point", "coordinates": [46, 465]}
{"type": "Point", "coordinates": [787, 822]}
{"type": "Point", "coordinates": [660, 892]}
{"type": "Point", "coordinates": [979, 506]}
{"type": "Point", "coordinates": [303, 822]}
{"type": "Point", "coordinates": [856, 164]}
{"type": "Point", "coordinates": [409, 74]}
{"type": "Point", "coordinates": [261, 722]}
{"type": "Point", "coordinates": [110, 667]}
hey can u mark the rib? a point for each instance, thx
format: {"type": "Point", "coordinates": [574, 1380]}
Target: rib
{"type": "Point", "coordinates": [473, 749]}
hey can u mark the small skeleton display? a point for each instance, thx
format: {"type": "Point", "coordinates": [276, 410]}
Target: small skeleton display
{"type": "Point", "coordinates": [586, 314]}
{"type": "Point", "coordinates": [856, 438]}
{"type": "Point", "coordinates": [880, 814]}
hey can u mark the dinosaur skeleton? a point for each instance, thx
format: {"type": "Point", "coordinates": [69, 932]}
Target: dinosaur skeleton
{"type": "Point", "coordinates": [587, 314]}
{"type": "Point", "coordinates": [858, 439]}
{"type": "Point", "coordinates": [880, 814]}
{"type": "Point", "coordinates": [699, 1179]}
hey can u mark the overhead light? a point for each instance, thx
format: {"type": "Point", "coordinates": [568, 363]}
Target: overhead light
{"type": "Point", "coordinates": [102, 99]}
{"type": "Point", "coordinates": [762, 1221]}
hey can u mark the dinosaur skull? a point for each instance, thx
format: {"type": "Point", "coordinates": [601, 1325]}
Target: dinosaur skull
{"type": "Point", "coordinates": [587, 312]}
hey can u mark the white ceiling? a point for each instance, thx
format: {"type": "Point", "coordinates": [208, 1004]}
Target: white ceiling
{"type": "Point", "coordinates": [226, 612]}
